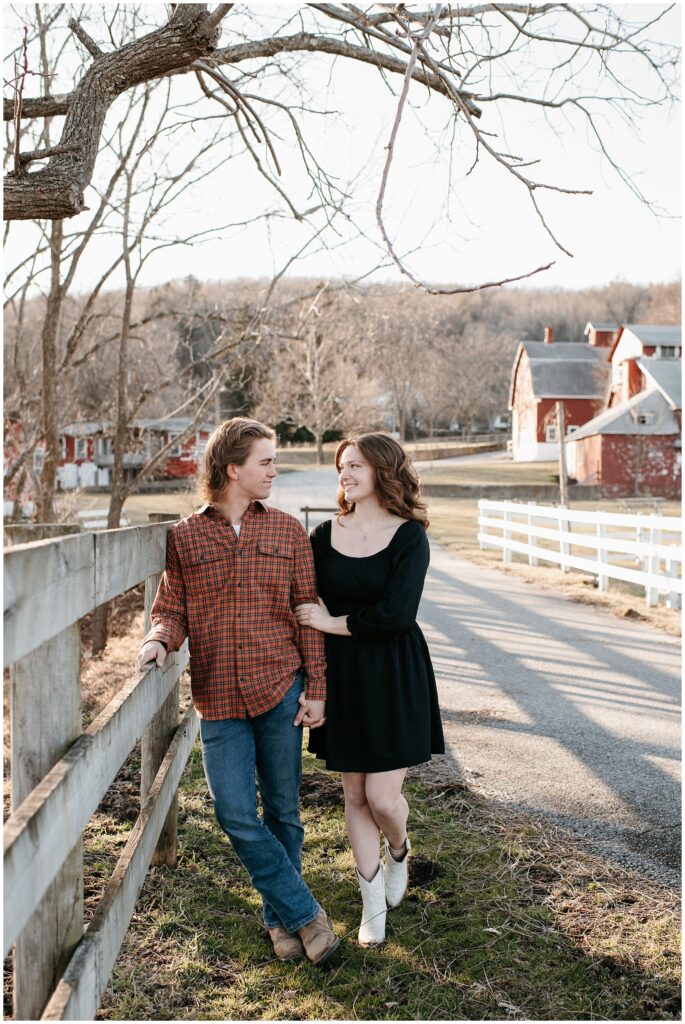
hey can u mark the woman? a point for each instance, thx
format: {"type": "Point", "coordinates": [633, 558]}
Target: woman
{"type": "Point", "coordinates": [382, 705]}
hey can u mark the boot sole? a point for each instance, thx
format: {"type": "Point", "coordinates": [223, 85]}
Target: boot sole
{"type": "Point", "coordinates": [327, 954]}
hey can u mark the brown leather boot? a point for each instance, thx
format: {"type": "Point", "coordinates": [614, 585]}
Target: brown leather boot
{"type": "Point", "coordinates": [320, 941]}
{"type": "Point", "coordinates": [286, 945]}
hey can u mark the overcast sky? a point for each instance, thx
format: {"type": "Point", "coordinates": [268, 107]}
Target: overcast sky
{"type": "Point", "coordinates": [487, 230]}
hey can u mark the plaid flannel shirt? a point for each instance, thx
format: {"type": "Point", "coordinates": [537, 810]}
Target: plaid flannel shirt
{"type": "Point", "coordinates": [233, 597]}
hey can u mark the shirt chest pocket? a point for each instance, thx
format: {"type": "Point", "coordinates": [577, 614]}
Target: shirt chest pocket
{"type": "Point", "coordinates": [273, 563]}
{"type": "Point", "coordinates": [205, 573]}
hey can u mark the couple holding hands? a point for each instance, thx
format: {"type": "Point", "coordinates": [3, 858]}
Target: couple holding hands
{"type": "Point", "coordinates": [284, 631]}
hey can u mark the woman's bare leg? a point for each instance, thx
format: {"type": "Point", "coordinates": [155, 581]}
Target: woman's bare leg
{"type": "Point", "coordinates": [362, 830]}
{"type": "Point", "coordinates": [387, 805]}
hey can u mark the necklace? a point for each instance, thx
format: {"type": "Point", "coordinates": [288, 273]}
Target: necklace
{"type": "Point", "coordinates": [366, 531]}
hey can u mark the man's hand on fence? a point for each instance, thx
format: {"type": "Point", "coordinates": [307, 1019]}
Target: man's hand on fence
{"type": "Point", "coordinates": [312, 712]}
{"type": "Point", "coordinates": [149, 653]}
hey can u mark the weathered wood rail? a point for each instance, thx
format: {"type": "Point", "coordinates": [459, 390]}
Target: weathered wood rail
{"type": "Point", "coordinates": [60, 773]}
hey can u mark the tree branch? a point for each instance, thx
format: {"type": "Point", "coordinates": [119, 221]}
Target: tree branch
{"type": "Point", "coordinates": [81, 34]}
{"type": "Point", "coordinates": [57, 191]}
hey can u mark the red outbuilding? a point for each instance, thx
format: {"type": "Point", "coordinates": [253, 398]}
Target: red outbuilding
{"type": "Point", "coordinates": [547, 372]}
{"type": "Point", "coordinates": [634, 447]}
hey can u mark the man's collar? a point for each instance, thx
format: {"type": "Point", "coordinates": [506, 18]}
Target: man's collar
{"type": "Point", "coordinates": [210, 508]}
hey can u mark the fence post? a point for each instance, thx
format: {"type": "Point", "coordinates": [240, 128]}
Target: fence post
{"type": "Point", "coordinates": [481, 528]}
{"type": "Point", "coordinates": [563, 541]}
{"type": "Point", "coordinates": [652, 593]}
{"type": "Point", "coordinates": [602, 557]}
{"type": "Point", "coordinates": [45, 714]}
{"type": "Point", "coordinates": [532, 559]}
{"type": "Point", "coordinates": [506, 534]}
{"type": "Point", "coordinates": [642, 537]}
{"type": "Point", "coordinates": [672, 598]}
{"type": "Point", "coordinates": [159, 733]}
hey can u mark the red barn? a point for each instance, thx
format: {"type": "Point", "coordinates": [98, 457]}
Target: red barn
{"type": "Point", "coordinates": [545, 373]}
{"type": "Point", "coordinates": [632, 342]}
{"type": "Point", "coordinates": [634, 446]}
{"type": "Point", "coordinates": [186, 456]}
{"type": "Point", "coordinates": [80, 445]}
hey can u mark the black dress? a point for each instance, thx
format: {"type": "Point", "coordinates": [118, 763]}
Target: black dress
{"type": "Point", "coordinates": [382, 706]}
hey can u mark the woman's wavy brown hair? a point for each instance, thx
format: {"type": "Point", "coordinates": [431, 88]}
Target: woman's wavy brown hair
{"type": "Point", "coordinates": [230, 444]}
{"type": "Point", "coordinates": [397, 483]}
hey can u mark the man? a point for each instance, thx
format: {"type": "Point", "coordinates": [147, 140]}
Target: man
{"type": "Point", "coordinates": [235, 572]}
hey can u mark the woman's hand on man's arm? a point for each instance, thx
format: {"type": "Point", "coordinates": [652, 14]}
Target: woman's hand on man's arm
{"type": "Point", "coordinates": [318, 617]}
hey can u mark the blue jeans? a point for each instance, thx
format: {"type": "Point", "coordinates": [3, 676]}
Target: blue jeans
{"type": "Point", "coordinates": [233, 750]}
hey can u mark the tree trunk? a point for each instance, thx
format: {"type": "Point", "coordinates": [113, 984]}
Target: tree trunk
{"type": "Point", "coordinates": [119, 488]}
{"type": "Point", "coordinates": [45, 508]}
{"type": "Point", "coordinates": [18, 491]}
{"type": "Point", "coordinates": [401, 422]}
{"type": "Point", "coordinates": [319, 449]}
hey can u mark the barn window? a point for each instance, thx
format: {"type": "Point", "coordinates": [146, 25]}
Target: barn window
{"type": "Point", "coordinates": [643, 418]}
{"type": "Point", "coordinates": [80, 448]}
{"type": "Point", "coordinates": [551, 435]}
{"type": "Point", "coordinates": [177, 449]}
{"type": "Point", "coordinates": [38, 458]}
{"type": "Point", "coordinates": [571, 430]}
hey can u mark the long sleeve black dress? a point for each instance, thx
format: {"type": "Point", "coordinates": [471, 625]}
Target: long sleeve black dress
{"type": "Point", "coordinates": [382, 706]}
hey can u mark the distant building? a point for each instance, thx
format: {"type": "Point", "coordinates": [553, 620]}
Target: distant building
{"type": "Point", "coordinates": [634, 446]}
{"type": "Point", "coordinates": [547, 372]}
{"type": "Point", "coordinates": [631, 343]}
{"type": "Point", "coordinates": [87, 452]}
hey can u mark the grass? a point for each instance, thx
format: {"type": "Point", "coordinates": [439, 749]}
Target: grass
{"type": "Point", "coordinates": [502, 921]}
{"type": "Point", "coordinates": [495, 472]}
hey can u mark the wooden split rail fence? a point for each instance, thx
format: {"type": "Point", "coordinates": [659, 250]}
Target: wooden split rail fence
{"type": "Point", "coordinates": [550, 534]}
{"type": "Point", "coordinates": [60, 773]}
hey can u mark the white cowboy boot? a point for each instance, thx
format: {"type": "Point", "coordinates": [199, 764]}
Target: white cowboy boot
{"type": "Point", "coordinates": [396, 875]}
{"type": "Point", "coordinates": [372, 927]}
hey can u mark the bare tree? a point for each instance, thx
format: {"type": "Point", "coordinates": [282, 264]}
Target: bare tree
{"type": "Point", "coordinates": [317, 379]}
{"type": "Point", "coordinates": [477, 59]}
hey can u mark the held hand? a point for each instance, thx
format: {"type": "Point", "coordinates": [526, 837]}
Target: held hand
{"type": "Point", "coordinates": [314, 615]}
{"type": "Point", "coordinates": [312, 713]}
{"type": "Point", "coordinates": [151, 653]}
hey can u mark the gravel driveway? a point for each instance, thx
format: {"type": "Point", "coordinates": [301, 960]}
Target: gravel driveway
{"type": "Point", "coordinates": [550, 707]}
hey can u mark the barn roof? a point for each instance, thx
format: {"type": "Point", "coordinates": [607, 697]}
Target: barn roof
{"type": "Point", "coordinates": [655, 334]}
{"type": "Point", "coordinates": [623, 418]}
{"type": "Point", "coordinates": [566, 369]}
{"type": "Point", "coordinates": [591, 325]}
{"type": "Point", "coordinates": [666, 375]}
{"type": "Point", "coordinates": [83, 429]}
{"type": "Point", "coordinates": [172, 424]}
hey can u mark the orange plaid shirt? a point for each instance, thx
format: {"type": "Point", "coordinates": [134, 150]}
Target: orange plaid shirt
{"type": "Point", "coordinates": [233, 598]}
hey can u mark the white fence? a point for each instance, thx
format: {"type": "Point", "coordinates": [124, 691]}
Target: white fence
{"type": "Point", "coordinates": [653, 542]}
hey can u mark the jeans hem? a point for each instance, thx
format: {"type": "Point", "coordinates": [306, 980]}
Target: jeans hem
{"type": "Point", "coordinates": [296, 927]}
